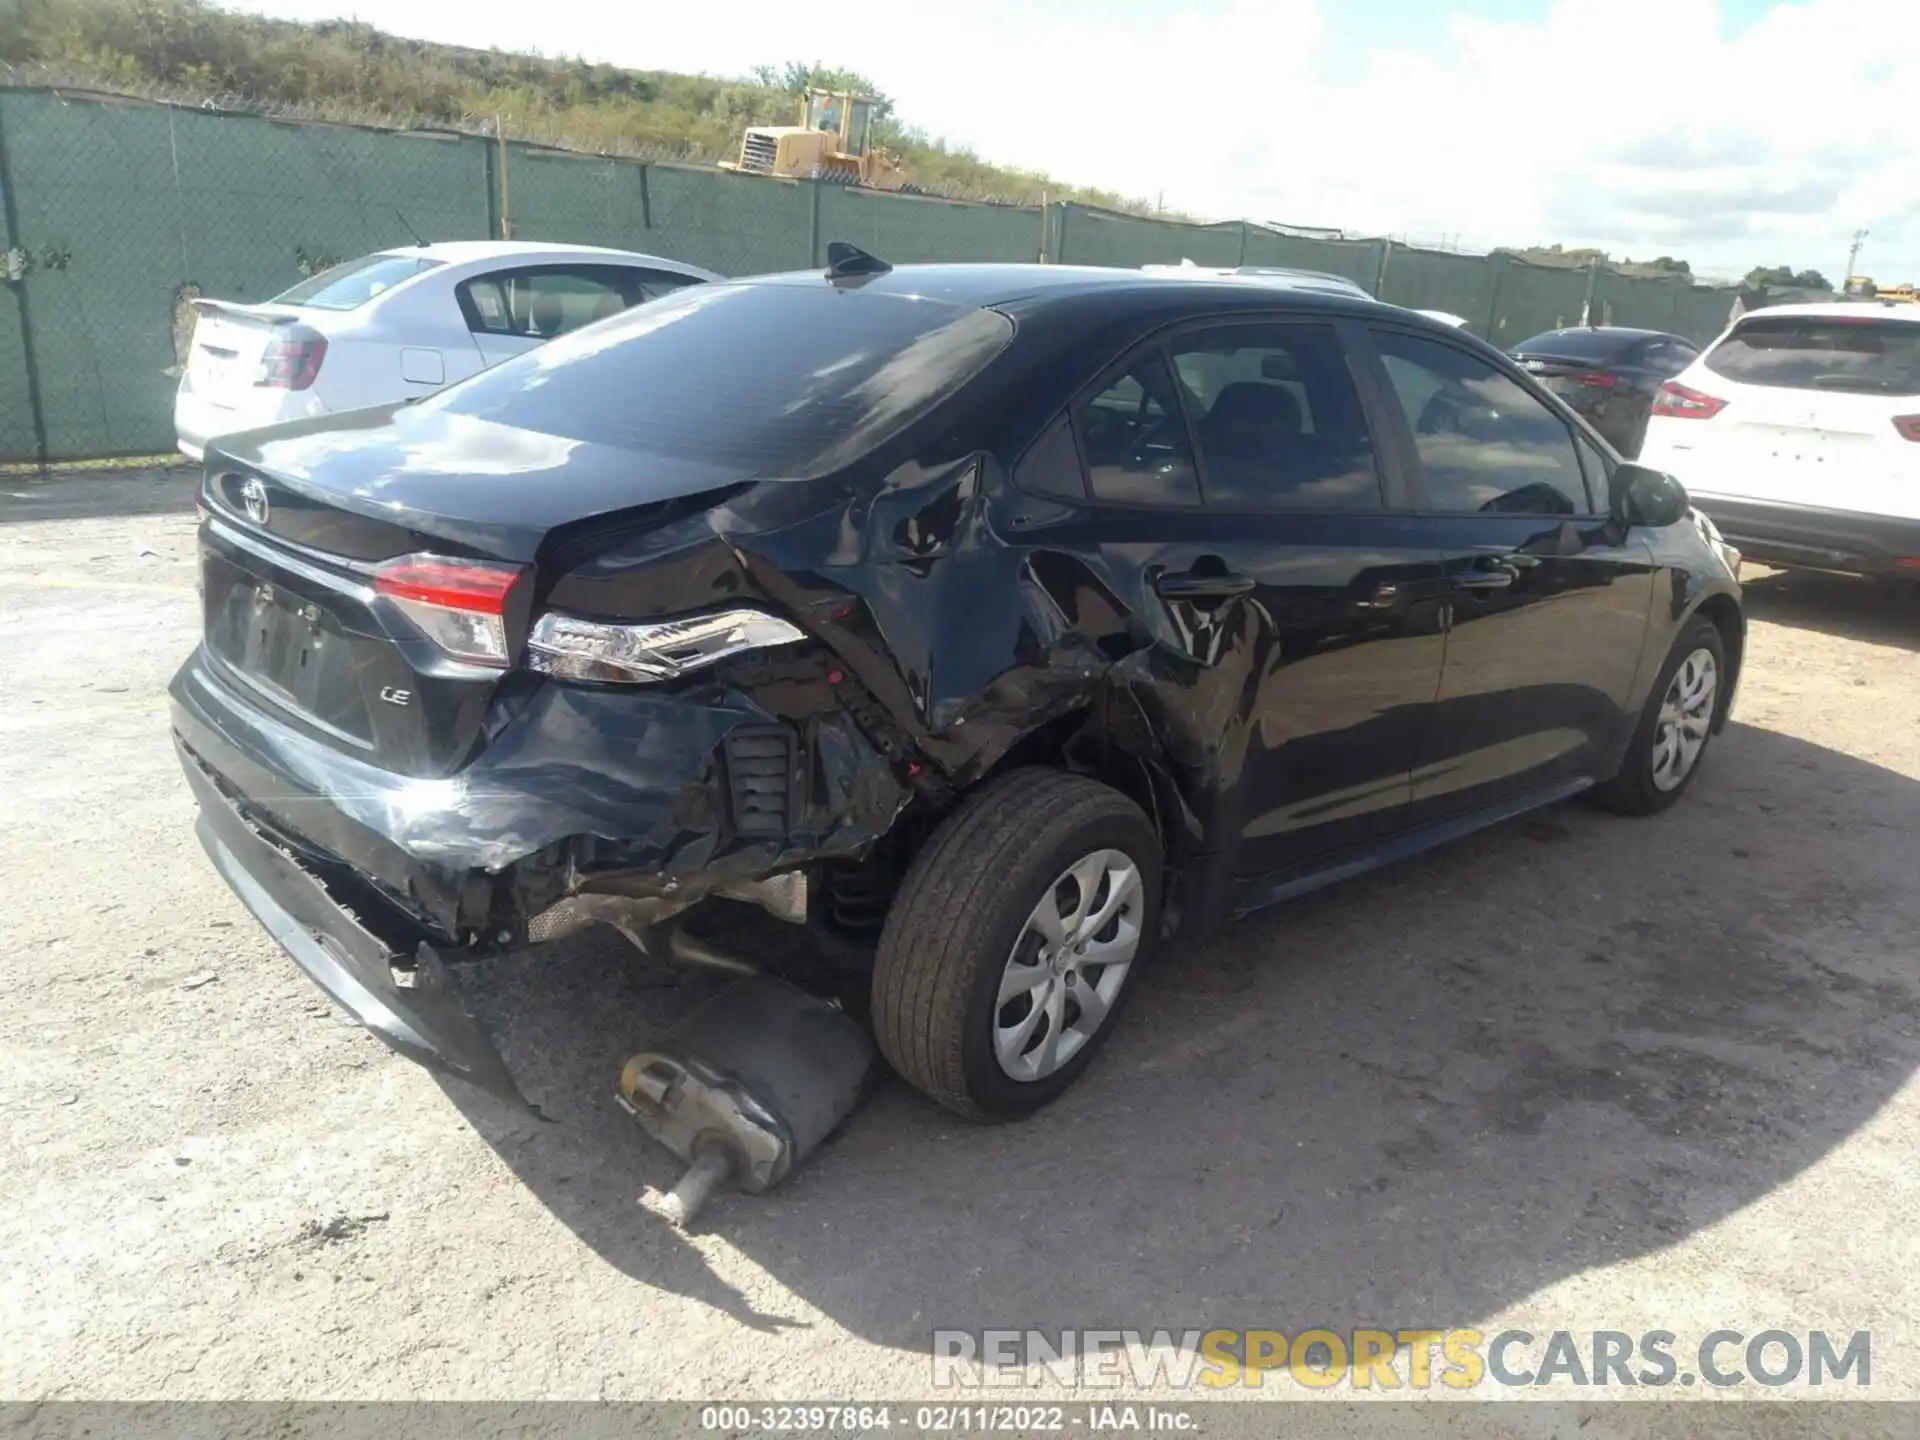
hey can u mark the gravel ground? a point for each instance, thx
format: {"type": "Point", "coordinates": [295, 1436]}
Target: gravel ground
{"type": "Point", "coordinates": [1574, 1073]}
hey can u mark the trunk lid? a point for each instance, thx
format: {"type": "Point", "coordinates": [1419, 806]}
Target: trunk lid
{"type": "Point", "coordinates": [309, 640]}
{"type": "Point", "coordinates": [1566, 375]}
{"type": "Point", "coordinates": [223, 360]}
{"type": "Point", "coordinates": [302, 518]}
{"type": "Point", "coordinates": [404, 474]}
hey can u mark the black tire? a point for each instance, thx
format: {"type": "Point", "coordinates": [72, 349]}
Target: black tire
{"type": "Point", "coordinates": [963, 907]}
{"type": "Point", "coordinates": [1633, 790]}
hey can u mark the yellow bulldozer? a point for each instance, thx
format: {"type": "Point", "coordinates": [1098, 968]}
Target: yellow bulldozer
{"type": "Point", "coordinates": [1861, 287]}
{"type": "Point", "coordinates": [833, 141]}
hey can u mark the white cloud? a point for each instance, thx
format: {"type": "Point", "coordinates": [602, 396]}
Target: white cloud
{"type": "Point", "coordinates": [1625, 123]}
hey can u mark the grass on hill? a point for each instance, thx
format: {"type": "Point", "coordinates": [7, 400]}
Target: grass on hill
{"type": "Point", "coordinates": [344, 70]}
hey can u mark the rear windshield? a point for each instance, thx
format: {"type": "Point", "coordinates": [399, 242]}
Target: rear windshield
{"type": "Point", "coordinates": [1825, 352]}
{"type": "Point", "coordinates": [349, 286]}
{"type": "Point", "coordinates": [765, 380]}
{"type": "Point", "coordinates": [1576, 344]}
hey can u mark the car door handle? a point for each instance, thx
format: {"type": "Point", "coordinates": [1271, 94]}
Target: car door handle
{"type": "Point", "coordinates": [1488, 572]}
{"type": "Point", "coordinates": [1199, 585]}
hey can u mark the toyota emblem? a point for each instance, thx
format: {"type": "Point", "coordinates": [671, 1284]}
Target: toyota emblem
{"type": "Point", "coordinates": [254, 496]}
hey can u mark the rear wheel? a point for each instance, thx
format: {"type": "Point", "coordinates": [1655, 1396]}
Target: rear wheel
{"type": "Point", "coordinates": [1674, 730]}
{"type": "Point", "coordinates": [1009, 951]}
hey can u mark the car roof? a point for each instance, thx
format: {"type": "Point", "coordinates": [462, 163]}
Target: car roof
{"type": "Point", "coordinates": [1845, 309]}
{"type": "Point", "coordinates": [1612, 332]}
{"type": "Point", "coordinates": [1272, 274]}
{"type": "Point", "coordinates": [460, 252]}
{"type": "Point", "coordinates": [1003, 286]}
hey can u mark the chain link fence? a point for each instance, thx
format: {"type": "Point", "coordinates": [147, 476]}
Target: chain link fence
{"type": "Point", "coordinates": [119, 211]}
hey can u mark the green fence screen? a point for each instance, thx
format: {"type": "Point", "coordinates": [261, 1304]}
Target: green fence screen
{"type": "Point", "coordinates": [118, 212]}
{"type": "Point", "coordinates": [18, 435]}
{"type": "Point", "coordinates": [1357, 260]}
{"type": "Point", "coordinates": [1103, 237]}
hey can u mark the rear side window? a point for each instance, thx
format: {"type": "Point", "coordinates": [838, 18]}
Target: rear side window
{"type": "Point", "coordinates": [1824, 352]}
{"type": "Point", "coordinates": [1135, 439]}
{"type": "Point", "coordinates": [1051, 465]}
{"type": "Point", "coordinates": [1277, 418]}
{"type": "Point", "coordinates": [1670, 356]}
{"type": "Point", "coordinates": [349, 286]}
{"type": "Point", "coordinates": [762, 380]}
{"type": "Point", "coordinates": [539, 303]}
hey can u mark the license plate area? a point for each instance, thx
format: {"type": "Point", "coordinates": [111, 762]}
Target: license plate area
{"type": "Point", "coordinates": [216, 375]}
{"type": "Point", "coordinates": [287, 649]}
{"type": "Point", "coordinates": [1799, 443]}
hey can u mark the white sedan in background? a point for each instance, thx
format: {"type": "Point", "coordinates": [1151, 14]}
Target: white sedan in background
{"type": "Point", "coordinates": [397, 324]}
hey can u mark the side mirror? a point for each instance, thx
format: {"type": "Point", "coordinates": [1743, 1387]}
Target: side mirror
{"type": "Point", "coordinates": [1642, 496]}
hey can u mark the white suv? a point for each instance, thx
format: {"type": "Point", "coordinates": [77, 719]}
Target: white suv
{"type": "Point", "coordinates": [1798, 433]}
{"type": "Point", "coordinates": [399, 324]}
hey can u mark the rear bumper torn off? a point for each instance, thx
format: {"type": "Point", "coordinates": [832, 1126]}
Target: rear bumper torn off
{"type": "Point", "coordinates": [409, 1000]}
{"type": "Point", "coordinates": [587, 807]}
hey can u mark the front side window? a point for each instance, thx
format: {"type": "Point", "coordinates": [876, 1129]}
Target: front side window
{"type": "Point", "coordinates": [862, 126]}
{"type": "Point", "coordinates": [1135, 439]}
{"type": "Point", "coordinates": [1485, 444]}
{"type": "Point", "coordinates": [823, 112]}
{"type": "Point", "coordinates": [1277, 418]}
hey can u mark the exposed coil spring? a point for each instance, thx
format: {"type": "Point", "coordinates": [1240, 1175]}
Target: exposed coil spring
{"type": "Point", "coordinates": [858, 896]}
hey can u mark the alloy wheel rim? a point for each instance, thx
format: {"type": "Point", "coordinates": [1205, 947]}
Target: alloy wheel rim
{"type": "Point", "coordinates": [1067, 968]}
{"type": "Point", "coordinates": [1686, 715]}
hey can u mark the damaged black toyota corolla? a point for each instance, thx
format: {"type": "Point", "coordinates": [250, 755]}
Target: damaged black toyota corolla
{"type": "Point", "coordinates": [991, 623]}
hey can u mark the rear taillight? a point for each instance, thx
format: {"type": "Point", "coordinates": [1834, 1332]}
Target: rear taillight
{"type": "Point", "coordinates": [460, 605]}
{"type": "Point", "coordinates": [292, 360]}
{"type": "Point", "coordinates": [1599, 379]}
{"type": "Point", "coordinates": [1682, 402]}
{"type": "Point", "coordinates": [1908, 426]}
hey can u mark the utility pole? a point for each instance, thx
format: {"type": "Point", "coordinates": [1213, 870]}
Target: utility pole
{"type": "Point", "coordinates": [1859, 239]}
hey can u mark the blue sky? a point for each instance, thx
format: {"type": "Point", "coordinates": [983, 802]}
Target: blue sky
{"type": "Point", "coordinates": [1728, 132]}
